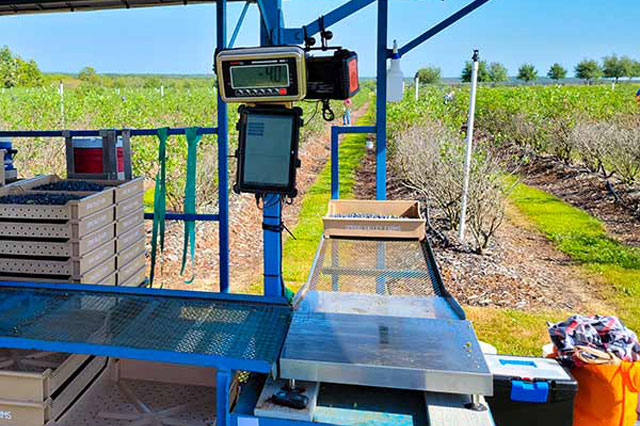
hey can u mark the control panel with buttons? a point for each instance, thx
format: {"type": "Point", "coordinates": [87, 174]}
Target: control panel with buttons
{"type": "Point", "coordinates": [264, 74]}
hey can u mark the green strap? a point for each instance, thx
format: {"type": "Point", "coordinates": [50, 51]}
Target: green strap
{"type": "Point", "coordinates": [190, 201]}
{"type": "Point", "coordinates": [159, 201]}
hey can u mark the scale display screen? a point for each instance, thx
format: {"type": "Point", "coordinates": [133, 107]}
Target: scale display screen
{"type": "Point", "coordinates": [260, 76]}
{"type": "Point", "coordinates": [268, 150]}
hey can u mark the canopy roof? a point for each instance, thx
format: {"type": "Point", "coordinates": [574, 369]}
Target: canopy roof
{"type": "Point", "coordinates": [15, 7]}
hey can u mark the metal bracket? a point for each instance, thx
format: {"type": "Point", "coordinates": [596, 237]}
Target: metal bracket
{"type": "Point", "coordinates": [243, 14]}
{"type": "Point", "coordinates": [296, 35]}
{"type": "Point", "coordinates": [440, 27]}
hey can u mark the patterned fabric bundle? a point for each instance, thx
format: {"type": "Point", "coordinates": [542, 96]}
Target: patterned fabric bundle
{"type": "Point", "coordinates": [604, 333]}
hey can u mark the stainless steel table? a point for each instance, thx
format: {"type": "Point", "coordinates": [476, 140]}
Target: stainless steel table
{"type": "Point", "coordinates": [376, 313]}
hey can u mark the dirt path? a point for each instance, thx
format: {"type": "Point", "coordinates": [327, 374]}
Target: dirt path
{"type": "Point", "coordinates": [245, 221]}
{"type": "Point", "coordinates": [520, 270]}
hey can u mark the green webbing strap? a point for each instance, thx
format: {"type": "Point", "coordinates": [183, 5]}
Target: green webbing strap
{"type": "Point", "coordinates": [190, 201]}
{"type": "Point", "coordinates": [159, 201]}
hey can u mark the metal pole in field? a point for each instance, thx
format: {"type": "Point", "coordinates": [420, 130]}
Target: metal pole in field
{"type": "Point", "coordinates": [61, 92]}
{"type": "Point", "coordinates": [469, 148]}
{"type": "Point", "coordinates": [417, 84]}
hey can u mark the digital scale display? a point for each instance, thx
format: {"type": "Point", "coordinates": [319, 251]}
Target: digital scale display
{"type": "Point", "coordinates": [259, 76]}
{"type": "Point", "coordinates": [262, 74]}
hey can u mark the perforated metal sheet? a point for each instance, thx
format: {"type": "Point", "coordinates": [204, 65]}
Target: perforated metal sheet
{"type": "Point", "coordinates": [186, 327]}
{"type": "Point", "coordinates": [385, 267]}
{"type": "Point", "coordinates": [138, 402]}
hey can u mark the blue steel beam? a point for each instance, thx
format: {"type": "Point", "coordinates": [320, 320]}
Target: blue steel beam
{"type": "Point", "coordinates": [267, 29]}
{"type": "Point", "coordinates": [96, 133]}
{"type": "Point", "coordinates": [236, 31]}
{"type": "Point", "coordinates": [140, 291]}
{"type": "Point", "coordinates": [187, 217]}
{"type": "Point", "coordinates": [223, 159]}
{"type": "Point", "coordinates": [137, 354]}
{"type": "Point", "coordinates": [336, 131]}
{"type": "Point", "coordinates": [271, 11]}
{"type": "Point", "coordinates": [296, 35]}
{"type": "Point", "coordinates": [381, 102]}
{"type": "Point", "coordinates": [441, 26]}
{"type": "Point", "coordinates": [223, 404]}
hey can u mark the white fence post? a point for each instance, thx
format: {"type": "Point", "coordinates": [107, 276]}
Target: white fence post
{"type": "Point", "coordinates": [469, 148]}
{"type": "Point", "coordinates": [61, 92]}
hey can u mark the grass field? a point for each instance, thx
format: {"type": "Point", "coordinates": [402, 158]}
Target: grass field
{"type": "Point", "coordinates": [573, 231]}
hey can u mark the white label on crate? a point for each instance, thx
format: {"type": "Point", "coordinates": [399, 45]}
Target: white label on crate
{"type": "Point", "coordinates": [6, 415]}
{"type": "Point", "coordinates": [373, 228]}
{"type": "Point", "coordinates": [248, 421]}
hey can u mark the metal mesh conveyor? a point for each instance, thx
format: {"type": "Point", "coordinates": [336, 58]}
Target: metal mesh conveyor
{"type": "Point", "coordinates": [226, 331]}
{"type": "Point", "coordinates": [361, 269]}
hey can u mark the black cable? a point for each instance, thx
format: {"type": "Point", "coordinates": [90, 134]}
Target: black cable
{"type": "Point", "coordinates": [327, 112]}
{"type": "Point", "coordinates": [315, 112]}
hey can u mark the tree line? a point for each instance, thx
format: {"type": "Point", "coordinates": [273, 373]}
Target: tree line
{"type": "Point", "coordinates": [612, 66]}
{"type": "Point", "coordinates": [18, 72]}
{"type": "Point", "coordinates": [15, 71]}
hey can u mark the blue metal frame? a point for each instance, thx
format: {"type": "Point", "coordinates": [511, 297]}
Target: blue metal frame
{"type": "Point", "coordinates": [96, 133]}
{"type": "Point", "coordinates": [223, 158]}
{"type": "Point", "coordinates": [296, 35]}
{"type": "Point", "coordinates": [236, 31]}
{"type": "Point", "coordinates": [187, 217]}
{"type": "Point", "coordinates": [273, 32]}
{"type": "Point", "coordinates": [336, 131]}
{"type": "Point", "coordinates": [137, 354]}
{"type": "Point", "coordinates": [271, 12]}
{"type": "Point", "coordinates": [441, 26]}
{"type": "Point", "coordinates": [140, 291]}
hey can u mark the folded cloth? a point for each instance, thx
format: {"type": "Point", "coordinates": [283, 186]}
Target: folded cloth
{"type": "Point", "coordinates": [605, 333]}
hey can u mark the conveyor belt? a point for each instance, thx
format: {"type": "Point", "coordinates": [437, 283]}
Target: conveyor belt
{"type": "Point", "coordinates": [225, 331]}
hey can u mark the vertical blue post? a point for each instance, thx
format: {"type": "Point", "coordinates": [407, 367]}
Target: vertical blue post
{"type": "Point", "coordinates": [273, 281]}
{"type": "Point", "coordinates": [381, 130]}
{"type": "Point", "coordinates": [335, 167]}
{"type": "Point", "coordinates": [223, 154]}
{"type": "Point", "coordinates": [223, 385]}
{"type": "Point", "coordinates": [381, 103]}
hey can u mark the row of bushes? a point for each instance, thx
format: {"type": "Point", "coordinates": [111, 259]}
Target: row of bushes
{"type": "Point", "coordinates": [429, 159]}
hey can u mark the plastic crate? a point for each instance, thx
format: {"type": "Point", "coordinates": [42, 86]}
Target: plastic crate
{"type": "Point", "coordinates": [37, 387]}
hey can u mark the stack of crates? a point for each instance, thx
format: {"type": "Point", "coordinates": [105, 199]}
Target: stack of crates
{"type": "Point", "coordinates": [130, 233]}
{"type": "Point", "coordinates": [89, 232]}
{"type": "Point", "coordinates": [38, 387]}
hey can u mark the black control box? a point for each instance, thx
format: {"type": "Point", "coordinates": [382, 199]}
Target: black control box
{"type": "Point", "coordinates": [333, 77]}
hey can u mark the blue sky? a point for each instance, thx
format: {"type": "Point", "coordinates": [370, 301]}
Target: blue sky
{"type": "Point", "coordinates": [180, 39]}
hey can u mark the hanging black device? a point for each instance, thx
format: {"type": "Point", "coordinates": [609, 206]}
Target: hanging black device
{"type": "Point", "coordinates": [268, 149]}
{"type": "Point", "coordinates": [334, 76]}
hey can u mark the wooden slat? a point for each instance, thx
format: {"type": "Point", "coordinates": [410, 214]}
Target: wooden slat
{"type": "Point", "coordinates": [448, 410]}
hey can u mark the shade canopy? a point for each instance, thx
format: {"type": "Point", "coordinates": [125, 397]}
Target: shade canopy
{"type": "Point", "coordinates": [15, 7]}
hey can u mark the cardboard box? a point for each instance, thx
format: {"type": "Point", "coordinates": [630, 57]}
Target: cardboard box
{"type": "Point", "coordinates": [374, 219]}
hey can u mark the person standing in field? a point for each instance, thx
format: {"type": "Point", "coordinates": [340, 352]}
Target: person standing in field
{"type": "Point", "coordinates": [346, 114]}
{"type": "Point", "coordinates": [638, 97]}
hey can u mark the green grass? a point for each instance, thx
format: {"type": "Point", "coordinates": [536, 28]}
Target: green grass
{"type": "Point", "coordinates": [584, 238]}
{"type": "Point", "coordinates": [513, 331]}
